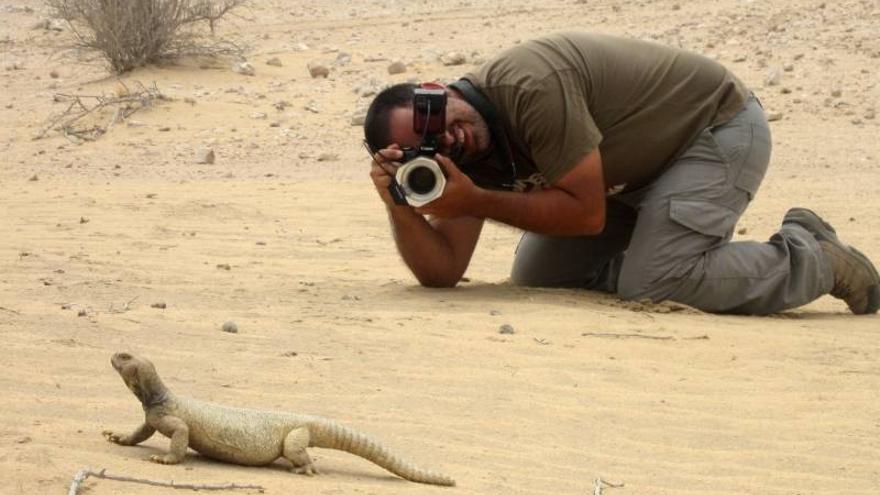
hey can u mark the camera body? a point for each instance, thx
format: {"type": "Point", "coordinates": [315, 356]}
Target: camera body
{"type": "Point", "coordinates": [420, 179]}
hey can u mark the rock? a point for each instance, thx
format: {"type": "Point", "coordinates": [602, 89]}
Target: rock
{"type": "Point", "coordinates": [328, 157]}
{"type": "Point", "coordinates": [205, 155]}
{"type": "Point", "coordinates": [342, 59]}
{"type": "Point", "coordinates": [158, 305]}
{"type": "Point", "coordinates": [230, 327]}
{"type": "Point", "coordinates": [259, 115]}
{"type": "Point", "coordinates": [506, 329]}
{"type": "Point", "coordinates": [313, 107]}
{"type": "Point", "coordinates": [774, 116]}
{"type": "Point", "coordinates": [359, 117]}
{"type": "Point", "coordinates": [317, 70]}
{"type": "Point", "coordinates": [742, 231]}
{"type": "Point", "coordinates": [274, 61]}
{"type": "Point", "coordinates": [453, 58]}
{"type": "Point", "coordinates": [244, 68]}
{"type": "Point", "coordinates": [396, 67]}
{"type": "Point", "coordinates": [836, 93]}
{"type": "Point", "coordinates": [774, 77]}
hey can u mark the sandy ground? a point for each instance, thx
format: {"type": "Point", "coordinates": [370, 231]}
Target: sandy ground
{"type": "Point", "coordinates": [284, 235]}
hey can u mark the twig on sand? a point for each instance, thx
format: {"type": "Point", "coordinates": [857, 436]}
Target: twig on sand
{"type": "Point", "coordinates": [84, 473]}
{"type": "Point", "coordinates": [600, 483]}
{"type": "Point", "coordinates": [71, 122]}
{"type": "Point", "coordinates": [626, 335]}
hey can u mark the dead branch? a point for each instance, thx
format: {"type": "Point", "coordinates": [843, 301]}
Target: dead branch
{"type": "Point", "coordinates": [126, 101]}
{"type": "Point", "coordinates": [84, 473]}
{"type": "Point", "coordinates": [626, 335]}
{"type": "Point", "coordinates": [600, 484]}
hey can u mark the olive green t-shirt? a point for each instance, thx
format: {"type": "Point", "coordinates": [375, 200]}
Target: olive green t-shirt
{"type": "Point", "coordinates": [641, 103]}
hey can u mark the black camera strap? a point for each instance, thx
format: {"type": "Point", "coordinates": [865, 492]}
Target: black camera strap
{"type": "Point", "coordinates": [505, 168]}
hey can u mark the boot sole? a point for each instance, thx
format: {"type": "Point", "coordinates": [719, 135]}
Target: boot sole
{"type": "Point", "coordinates": [820, 229]}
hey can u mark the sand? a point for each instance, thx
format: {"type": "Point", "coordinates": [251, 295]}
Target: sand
{"type": "Point", "coordinates": [284, 235]}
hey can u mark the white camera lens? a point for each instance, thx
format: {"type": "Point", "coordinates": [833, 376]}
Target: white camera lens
{"type": "Point", "coordinates": [422, 180]}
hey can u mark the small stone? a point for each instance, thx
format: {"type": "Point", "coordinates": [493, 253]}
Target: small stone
{"type": "Point", "coordinates": [318, 70]}
{"type": "Point", "coordinates": [159, 305]}
{"type": "Point", "coordinates": [495, 312]}
{"type": "Point", "coordinates": [274, 61]}
{"type": "Point", "coordinates": [453, 58]}
{"type": "Point", "coordinates": [34, 178]}
{"type": "Point", "coordinates": [259, 115]}
{"type": "Point", "coordinates": [313, 107]}
{"type": "Point", "coordinates": [773, 78]}
{"type": "Point", "coordinates": [836, 93]}
{"type": "Point", "coordinates": [82, 313]}
{"type": "Point", "coordinates": [506, 329]}
{"type": "Point", "coordinates": [54, 74]}
{"type": "Point", "coordinates": [328, 157]}
{"type": "Point", "coordinates": [870, 114]}
{"type": "Point", "coordinates": [83, 220]}
{"type": "Point", "coordinates": [396, 67]}
{"type": "Point", "coordinates": [774, 116]}
{"type": "Point", "coordinates": [164, 129]}
{"type": "Point", "coordinates": [244, 68]}
{"type": "Point", "coordinates": [788, 67]}
{"type": "Point", "coordinates": [205, 155]}
{"type": "Point", "coordinates": [224, 266]}
{"type": "Point", "coordinates": [230, 327]}
{"type": "Point", "coordinates": [359, 118]}
{"type": "Point", "coordinates": [742, 231]}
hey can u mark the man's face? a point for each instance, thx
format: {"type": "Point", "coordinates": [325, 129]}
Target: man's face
{"type": "Point", "coordinates": [466, 137]}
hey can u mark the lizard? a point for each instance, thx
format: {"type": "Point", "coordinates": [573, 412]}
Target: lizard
{"type": "Point", "coordinates": [249, 437]}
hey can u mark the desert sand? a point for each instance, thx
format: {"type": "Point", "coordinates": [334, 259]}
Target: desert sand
{"type": "Point", "coordinates": [127, 243]}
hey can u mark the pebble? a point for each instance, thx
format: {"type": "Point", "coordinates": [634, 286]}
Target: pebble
{"type": "Point", "coordinates": [506, 329]}
{"type": "Point", "coordinates": [453, 58]}
{"type": "Point", "coordinates": [774, 116]}
{"type": "Point", "coordinates": [230, 327]}
{"type": "Point", "coordinates": [318, 70]}
{"type": "Point", "coordinates": [274, 61]}
{"type": "Point", "coordinates": [159, 305]}
{"type": "Point", "coordinates": [359, 117]}
{"type": "Point", "coordinates": [205, 155]}
{"type": "Point", "coordinates": [396, 67]}
{"type": "Point", "coordinates": [774, 77]}
{"type": "Point", "coordinates": [244, 68]}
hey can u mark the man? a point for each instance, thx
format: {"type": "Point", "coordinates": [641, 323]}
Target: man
{"type": "Point", "coordinates": [630, 164]}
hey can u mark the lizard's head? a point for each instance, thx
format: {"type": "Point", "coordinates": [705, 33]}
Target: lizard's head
{"type": "Point", "coordinates": [140, 377]}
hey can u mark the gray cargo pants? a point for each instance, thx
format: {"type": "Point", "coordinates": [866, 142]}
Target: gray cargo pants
{"type": "Point", "coordinates": [670, 240]}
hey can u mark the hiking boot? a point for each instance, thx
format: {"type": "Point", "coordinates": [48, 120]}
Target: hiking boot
{"type": "Point", "coordinates": [855, 279]}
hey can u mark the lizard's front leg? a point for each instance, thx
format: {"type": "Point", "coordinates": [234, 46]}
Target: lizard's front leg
{"type": "Point", "coordinates": [142, 433]}
{"type": "Point", "coordinates": [175, 429]}
{"type": "Point", "coordinates": [295, 444]}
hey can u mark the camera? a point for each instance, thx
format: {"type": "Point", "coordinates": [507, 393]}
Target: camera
{"type": "Point", "coordinates": [420, 179]}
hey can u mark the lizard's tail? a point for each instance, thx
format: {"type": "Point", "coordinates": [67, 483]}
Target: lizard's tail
{"type": "Point", "coordinates": [329, 435]}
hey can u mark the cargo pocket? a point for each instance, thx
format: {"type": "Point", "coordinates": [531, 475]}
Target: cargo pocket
{"type": "Point", "coordinates": [705, 217]}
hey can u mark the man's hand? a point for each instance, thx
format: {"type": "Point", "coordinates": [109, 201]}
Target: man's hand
{"type": "Point", "coordinates": [458, 195]}
{"type": "Point", "coordinates": [382, 171]}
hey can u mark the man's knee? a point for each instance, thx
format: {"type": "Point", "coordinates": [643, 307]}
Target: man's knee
{"type": "Point", "coordinates": [635, 283]}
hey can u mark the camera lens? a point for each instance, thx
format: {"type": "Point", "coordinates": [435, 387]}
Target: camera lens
{"type": "Point", "coordinates": [421, 180]}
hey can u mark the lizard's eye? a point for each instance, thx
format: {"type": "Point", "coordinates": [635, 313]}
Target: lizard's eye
{"type": "Point", "coordinates": [124, 356]}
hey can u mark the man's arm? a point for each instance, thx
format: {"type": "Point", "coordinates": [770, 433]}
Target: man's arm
{"type": "Point", "coordinates": [437, 252]}
{"type": "Point", "coordinates": [575, 205]}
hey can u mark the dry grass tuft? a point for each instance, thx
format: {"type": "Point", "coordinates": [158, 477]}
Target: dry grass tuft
{"type": "Point", "coordinates": [133, 33]}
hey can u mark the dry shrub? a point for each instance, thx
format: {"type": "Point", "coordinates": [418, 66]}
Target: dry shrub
{"type": "Point", "coordinates": [132, 33]}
